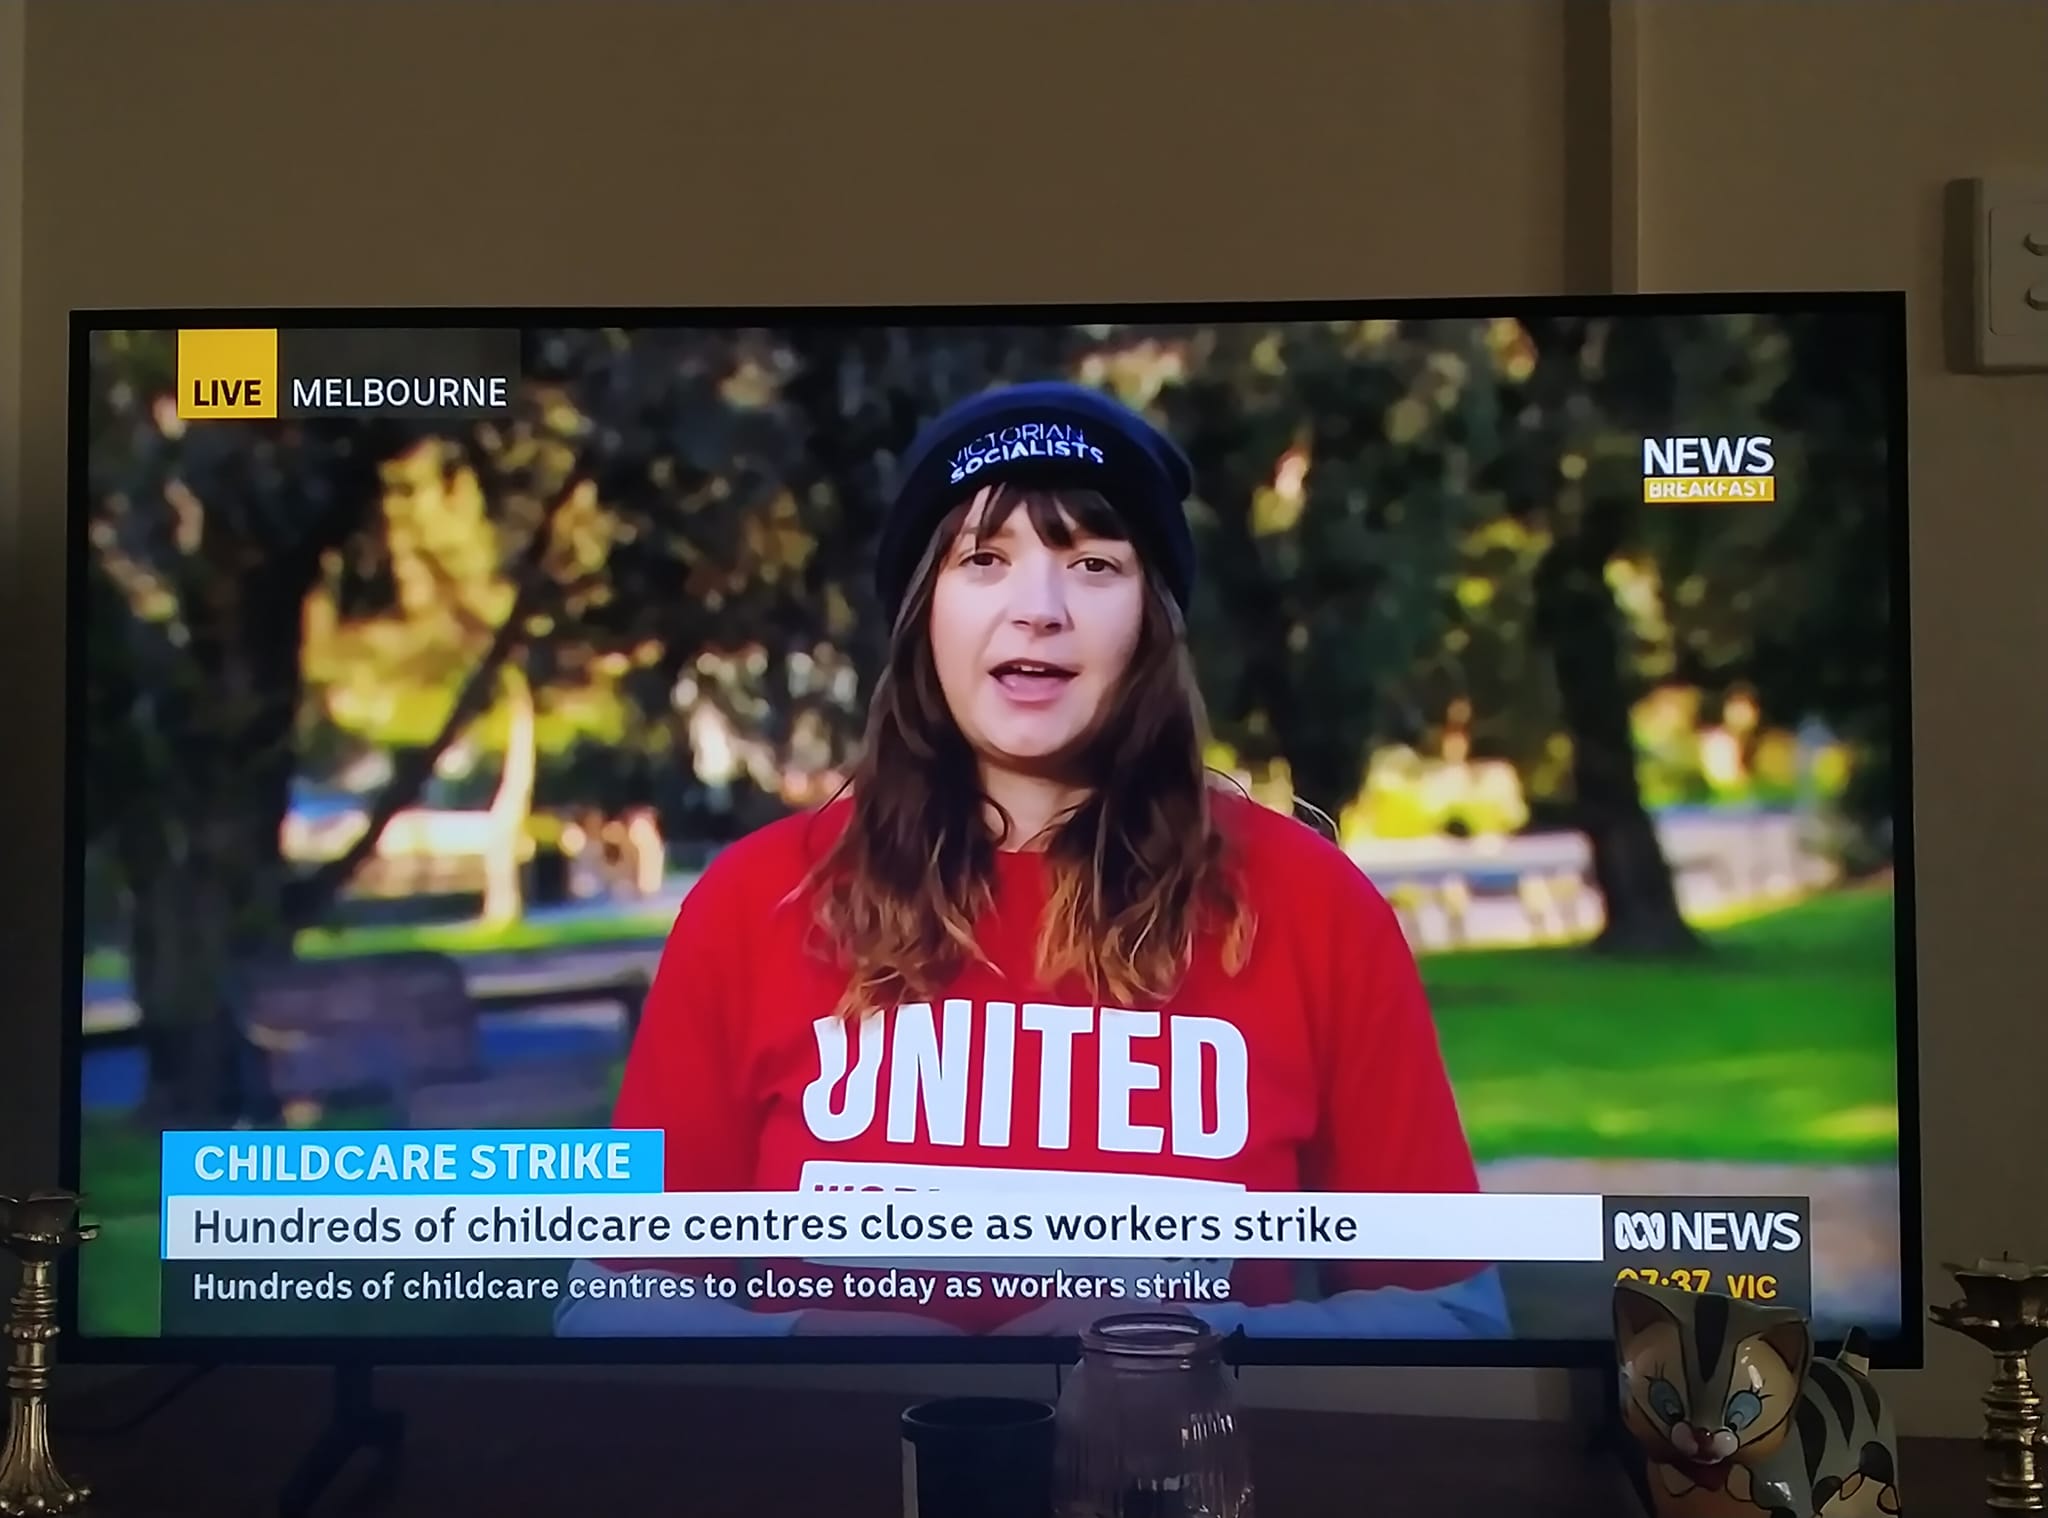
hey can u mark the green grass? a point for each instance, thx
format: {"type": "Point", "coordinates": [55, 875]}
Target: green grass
{"type": "Point", "coordinates": [444, 938]}
{"type": "Point", "coordinates": [1777, 1046]}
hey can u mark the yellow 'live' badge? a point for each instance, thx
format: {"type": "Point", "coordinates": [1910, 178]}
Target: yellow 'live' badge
{"type": "Point", "coordinates": [227, 374]}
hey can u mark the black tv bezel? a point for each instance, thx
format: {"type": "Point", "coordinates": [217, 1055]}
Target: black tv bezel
{"type": "Point", "coordinates": [1904, 1349]}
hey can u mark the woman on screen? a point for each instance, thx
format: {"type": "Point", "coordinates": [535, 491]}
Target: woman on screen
{"type": "Point", "coordinates": [1036, 949]}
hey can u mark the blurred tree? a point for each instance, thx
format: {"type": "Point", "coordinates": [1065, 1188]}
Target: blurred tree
{"type": "Point", "coordinates": [1824, 641]}
{"type": "Point", "coordinates": [1571, 466]}
{"type": "Point", "coordinates": [1786, 602]}
{"type": "Point", "coordinates": [210, 541]}
{"type": "Point", "coordinates": [1629, 595]}
{"type": "Point", "coordinates": [535, 602]}
{"type": "Point", "coordinates": [204, 542]}
{"type": "Point", "coordinates": [429, 602]}
{"type": "Point", "coordinates": [1331, 463]}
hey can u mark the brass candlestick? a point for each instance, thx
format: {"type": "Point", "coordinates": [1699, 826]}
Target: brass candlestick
{"type": "Point", "coordinates": [36, 1230]}
{"type": "Point", "coordinates": [2005, 1309]}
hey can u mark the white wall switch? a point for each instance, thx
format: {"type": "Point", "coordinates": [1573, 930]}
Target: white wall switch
{"type": "Point", "coordinates": [2009, 274]}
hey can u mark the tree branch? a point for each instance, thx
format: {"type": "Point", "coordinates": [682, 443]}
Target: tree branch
{"type": "Point", "coordinates": [472, 624]}
{"type": "Point", "coordinates": [307, 899]}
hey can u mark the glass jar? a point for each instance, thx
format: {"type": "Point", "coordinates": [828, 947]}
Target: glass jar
{"type": "Point", "coordinates": [1147, 1425]}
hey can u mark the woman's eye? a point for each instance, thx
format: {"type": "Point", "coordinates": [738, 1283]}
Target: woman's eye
{"type": "Point", "coordinates": [980, 558]}
{"type": "Point", "coordinates": [1100, 566]}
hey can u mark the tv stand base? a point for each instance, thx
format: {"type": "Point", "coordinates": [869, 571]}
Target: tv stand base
{"type": "Point", "coordinates": [355, 1426]}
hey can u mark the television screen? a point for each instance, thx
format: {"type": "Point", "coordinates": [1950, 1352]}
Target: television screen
{"type": "Point", "coordinates": [880, 833]}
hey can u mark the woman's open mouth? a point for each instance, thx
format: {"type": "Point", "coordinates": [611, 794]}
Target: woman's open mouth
{"type": "Point", "coordinates": [1031, 683]}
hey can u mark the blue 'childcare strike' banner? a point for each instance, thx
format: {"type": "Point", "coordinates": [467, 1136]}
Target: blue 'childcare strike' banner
{"type": "Point", "coordinates": [572, 1161]}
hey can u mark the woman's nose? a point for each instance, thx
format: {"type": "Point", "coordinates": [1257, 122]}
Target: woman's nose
{"type": "Point", "coordinates": [1037, 598]}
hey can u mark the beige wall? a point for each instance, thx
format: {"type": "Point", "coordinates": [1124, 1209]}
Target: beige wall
{"type": "Point", "coordinates": [20, 1102]}
{"type": "Point", "coordinates": [13, 109]}
{"type": "Point", "coordinates": [670, 154]}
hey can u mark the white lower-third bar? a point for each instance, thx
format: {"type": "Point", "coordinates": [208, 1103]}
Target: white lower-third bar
{"type": "Point", "coordinates": [953, 1226]}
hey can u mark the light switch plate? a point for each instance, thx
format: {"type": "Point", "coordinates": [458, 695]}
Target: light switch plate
{"type": "Point", "coordinates": [2009, 271]}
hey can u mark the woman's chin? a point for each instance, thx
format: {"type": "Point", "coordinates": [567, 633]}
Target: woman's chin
{"type": "Point", "coordinates": [1030, 742]}
{"type": "Point", "coordinates": [1042, 756]}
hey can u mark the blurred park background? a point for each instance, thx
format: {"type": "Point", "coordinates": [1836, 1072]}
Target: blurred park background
{"type": "Point", "coordinates": [402, 741]}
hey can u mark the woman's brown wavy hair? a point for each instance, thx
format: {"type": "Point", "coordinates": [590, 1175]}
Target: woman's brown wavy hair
{"type": "Point", "coordinates": [1139, 867]}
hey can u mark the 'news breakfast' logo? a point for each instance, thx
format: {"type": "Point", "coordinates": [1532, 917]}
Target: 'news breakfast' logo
{"type": "Point", "coordinates": [1702, 469]}
{"type": "Point", "coordinates": [250, 374]}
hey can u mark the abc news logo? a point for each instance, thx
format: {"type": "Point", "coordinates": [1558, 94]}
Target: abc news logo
{"type": "Point", "coordinates": [1708, 1232]}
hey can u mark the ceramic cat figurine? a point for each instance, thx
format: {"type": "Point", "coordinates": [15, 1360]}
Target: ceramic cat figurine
{"type": "Point", "coordinates": [1734, 1415]}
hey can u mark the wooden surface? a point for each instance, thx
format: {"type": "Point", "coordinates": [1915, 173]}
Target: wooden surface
{"type": "Point", "coordinates": [524, 1442]}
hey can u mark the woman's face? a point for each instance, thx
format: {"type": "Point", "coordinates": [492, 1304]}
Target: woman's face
{"type": "Point", "coordinates": [1030, 640]}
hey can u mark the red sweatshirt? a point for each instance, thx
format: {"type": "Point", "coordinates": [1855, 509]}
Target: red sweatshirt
{"type": "Point", "coordinates": [1315, 1067]}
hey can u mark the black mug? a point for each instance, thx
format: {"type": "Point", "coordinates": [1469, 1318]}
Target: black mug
{"type": "Point", "coordinates": [978, 1457]}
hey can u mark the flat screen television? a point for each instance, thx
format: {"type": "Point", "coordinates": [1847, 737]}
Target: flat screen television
{"type": "Point", "coordinates": [844, 834]}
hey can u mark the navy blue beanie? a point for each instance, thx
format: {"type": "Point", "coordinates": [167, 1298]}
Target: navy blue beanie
{"type": "Point", "coordinates": [1046, 433]}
